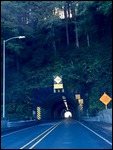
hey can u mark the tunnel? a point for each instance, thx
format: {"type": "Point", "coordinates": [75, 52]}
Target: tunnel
{"type": "Point", "coordinates": [54, 108]}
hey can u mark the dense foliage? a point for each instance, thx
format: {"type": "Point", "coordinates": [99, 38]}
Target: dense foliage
{"type": "Point", "coordinates": [76, 46]}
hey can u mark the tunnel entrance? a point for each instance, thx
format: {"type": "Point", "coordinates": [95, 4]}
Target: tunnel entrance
{"type": "Point", "coordinates": [54, 105]}
{"type": "Point", "coordinates": [57, 109]}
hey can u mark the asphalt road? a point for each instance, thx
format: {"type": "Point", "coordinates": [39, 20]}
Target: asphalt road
{"type": "Point", "coordinates": [70, 134]}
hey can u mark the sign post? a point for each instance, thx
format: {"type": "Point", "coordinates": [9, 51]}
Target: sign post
{"type": "Point", "coordinates": [106, 106]}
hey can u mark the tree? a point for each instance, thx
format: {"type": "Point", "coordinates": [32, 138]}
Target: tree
{"type": "Point", "coordinates": [74, 10]}
{"type": "Point", "coordinates": [66, 20]}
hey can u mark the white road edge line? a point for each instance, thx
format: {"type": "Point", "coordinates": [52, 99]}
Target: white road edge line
{"type": "Point", "coordinates": [17, 131]}
{"type": "Point", "coordinates": [44, 136]}
{"type": "Point", "coordinates": [96, 133]}
{"type": "Point", "coordinates": [37, 137]}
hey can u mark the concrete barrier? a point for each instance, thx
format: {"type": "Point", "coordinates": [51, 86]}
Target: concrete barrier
{"type": "Point", "coordinates": [3, 123]}
{"type": "Point", "coordinates": [17, 125]}
{"type": "Point", "coordinates": [8, 124]}
{"type": "Point", "coordinates": [21, 123]}
{"type": "Point", "coordinates": [96, 118]}
{"type": "Point", "coordinates": [105, 115]}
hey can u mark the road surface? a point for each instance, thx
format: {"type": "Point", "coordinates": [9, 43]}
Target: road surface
{"type": "Point", "coordinates": [68, 133]}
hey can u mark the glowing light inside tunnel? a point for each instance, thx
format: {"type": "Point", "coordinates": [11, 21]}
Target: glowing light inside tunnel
{"type": "Point", "coordinates": [67, 114]}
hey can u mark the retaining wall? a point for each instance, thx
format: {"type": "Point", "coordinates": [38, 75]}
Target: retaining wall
{"type": "Point", "coordinates": [104, 116]}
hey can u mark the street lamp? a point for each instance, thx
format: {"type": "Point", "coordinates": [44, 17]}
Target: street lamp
{"type": "Point", "coordinates": [4, 41]}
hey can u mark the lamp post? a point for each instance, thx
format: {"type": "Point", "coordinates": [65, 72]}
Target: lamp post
{"type": "Point", "coordinates": [4, 41]}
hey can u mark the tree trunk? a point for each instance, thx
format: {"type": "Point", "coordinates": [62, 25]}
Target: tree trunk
{"type": "Point", "coordinates": [18, 68]}
{"type": "Point", "coordinates": [54, 47]}
{"type": "Point", "coordinates": [74, 15]}
{"type": "Point", "coordinates": [88, 40]}
{"type": "Point", "coordinates": [67, 33]}
{"type": "Point", "coordinates": [54, 43]}
{"type": "Point", "coordinates": [68, 9]}
{"type": "Point", "coordinates": [76, 33]}
{"type": "Point", "coordinates": [17, 64]}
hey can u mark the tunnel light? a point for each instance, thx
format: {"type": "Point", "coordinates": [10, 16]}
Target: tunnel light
{"type": "Point", "coordinates": [67, 114]}
{"type": "Point", "coordinates": [21, 37]}
{"type": "Point", "coordinates": [63, 97]}
{"type": "Point", "coordinates": [64, 100]}
{"type": "Point", "coordinates": [66, 105]}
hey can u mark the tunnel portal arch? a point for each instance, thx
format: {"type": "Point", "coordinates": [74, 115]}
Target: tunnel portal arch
{"type": "Point", "coordinates": [54, 105]}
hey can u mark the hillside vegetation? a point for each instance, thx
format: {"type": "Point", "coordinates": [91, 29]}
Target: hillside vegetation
{"type": "Point", "coordinates": [76, 46]}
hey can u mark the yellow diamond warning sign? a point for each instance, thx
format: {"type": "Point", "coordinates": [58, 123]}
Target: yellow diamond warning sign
{"type": "Point", "coordinates": [105, 99]}
{"type": "Point", "coordinates": [77, 96]}
{"type": "Point", "coordinates": [57, 79]}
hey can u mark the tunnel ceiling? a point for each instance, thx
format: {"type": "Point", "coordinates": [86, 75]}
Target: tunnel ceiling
{"type": "Point", "coordinates": [55, 99]}
{"type": "Point", "coordinates": [59, 107]}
